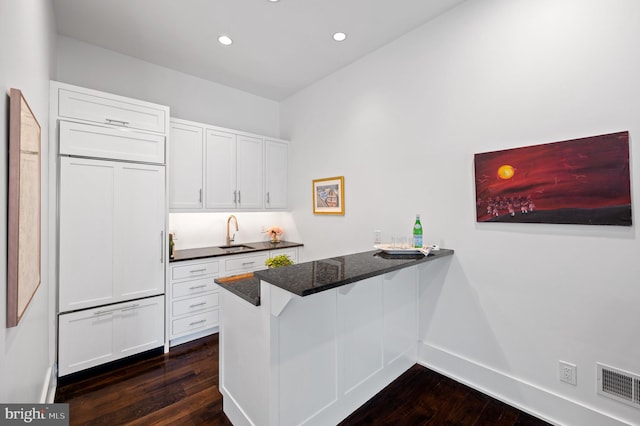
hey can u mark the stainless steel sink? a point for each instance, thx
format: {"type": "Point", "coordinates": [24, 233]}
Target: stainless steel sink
{"type": "Point", "coordinates": [235, 248]}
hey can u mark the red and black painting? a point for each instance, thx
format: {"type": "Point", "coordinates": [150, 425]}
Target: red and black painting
{"type": "Point", "coordinates": [581, 181]}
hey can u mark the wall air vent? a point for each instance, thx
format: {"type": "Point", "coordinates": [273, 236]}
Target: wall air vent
{"type": "Point", "coordinates": [619, 385]}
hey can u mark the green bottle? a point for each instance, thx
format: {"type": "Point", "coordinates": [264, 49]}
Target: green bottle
{"type": "Point", "coordinates": [417, 233]}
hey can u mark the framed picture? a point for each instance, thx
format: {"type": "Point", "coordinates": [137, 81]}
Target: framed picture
{"type": "Point", "coordinates": [328, 196]}
{"type": "Point", "coordinates": [23, 248]}
{"type": "Point", "coordinates": [584, 181]}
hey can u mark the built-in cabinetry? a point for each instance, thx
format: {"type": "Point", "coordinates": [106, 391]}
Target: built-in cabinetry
{"type": "Point", "coordinates": [193, 301]}
{"type": "Point", "coordinates": [194, 296]}
{"type": "Point", "coordinates": [276, 158]}
{"type": "Point", "coordinates": [109, 154]}
{"type": "Point", "coordinates": [111, 225]}
{"type": "Point", "coordinates": [186, 171]}
{"type": "Point", "coordinates": [218, 169]}
{"type": "Point", "coordinates": [91, 337]}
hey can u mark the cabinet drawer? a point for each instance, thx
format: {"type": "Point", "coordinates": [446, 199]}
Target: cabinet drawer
{"type": "Point", "coordinates": [193, 287]}
{"type": "Point", "coordinates": [195, 304]}
{"type": "Point", "coordinates": [95, 336]}
{"type": "Point", "coordinates": [111, 109]}
{"type": "Point", "coordinates": [88, 140]}
{"type": "Point", "coordinates": [195, 322]}
{"type": "Point", "coordinates": [194, 270]}
{"type": "Point", "coordinates": [245, 263]}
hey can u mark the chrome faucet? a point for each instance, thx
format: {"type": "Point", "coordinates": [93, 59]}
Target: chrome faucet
{"type": "Point", "coordinates": [229, 238]}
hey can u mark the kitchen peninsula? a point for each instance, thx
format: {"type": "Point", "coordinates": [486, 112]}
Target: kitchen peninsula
{"type": "Point", "coordinates": [322, 339]}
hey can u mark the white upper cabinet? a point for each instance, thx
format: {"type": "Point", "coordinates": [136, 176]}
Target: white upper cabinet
{"type": "Point", "coordinates": [276, 159]}
{"type": "Point", "coordinates": [249, 176]}
{"type": "Point", "coordinates": [233, 171]}
{"type": "Point", "coordinates": [186, 172]}
{"type": "Point", "coordinates": [98, 107]}
{"type": "Point", "coordinates": [90, 140]}
{"type": "Point", "coordinates": [218, 169]}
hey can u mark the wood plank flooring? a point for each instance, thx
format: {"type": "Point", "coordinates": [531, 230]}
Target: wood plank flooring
{"type": "Point", "coordinates": [181, 388]}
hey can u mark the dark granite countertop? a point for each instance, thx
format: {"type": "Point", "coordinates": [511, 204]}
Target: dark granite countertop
{"type": "Point", "coordinates": [308, 278]}
{"type": "Point", "coordinates": [205, 252]}
{"type": "Point", "coordinates": [246, 286]}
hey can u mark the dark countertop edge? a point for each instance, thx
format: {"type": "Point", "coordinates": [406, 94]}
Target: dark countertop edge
{"type": "Point", "coordinates": [255, 301]}
{"type": "Point", "coordinates": [432, 256]}
{"type": "Point", "coordinates": [207, 252]}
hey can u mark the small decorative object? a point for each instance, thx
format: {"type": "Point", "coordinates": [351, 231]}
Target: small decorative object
{"type": "Point", "coordinates": [278, 261]}
{"type": "Point", "coordinates": [23, 245]}
{"type": "Point", "coordinates": [171, 245]}
{"type": "Point", "coordinates": [580, 181]}
{"type": "Point", "coordinates": [328, 196]}
{"type": "Point", "coordinates": [274, 233]}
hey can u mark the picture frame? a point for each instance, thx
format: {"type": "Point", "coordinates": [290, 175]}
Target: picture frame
{"type": "Point", "coordinates": [24, 205]}
{"type": "Point", "coordinates": [328, 196]}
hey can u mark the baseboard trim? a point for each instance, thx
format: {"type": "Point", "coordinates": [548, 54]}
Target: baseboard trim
{"type": "Point", "coordinates": [542, 403]}
{"type": "Point", "coordinates": [48, 393]}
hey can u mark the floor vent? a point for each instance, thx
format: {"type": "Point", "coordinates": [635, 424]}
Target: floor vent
{"type": "Point", "coordinates": [619, 385]}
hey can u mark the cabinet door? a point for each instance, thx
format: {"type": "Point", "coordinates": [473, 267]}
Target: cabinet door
{"type": "Point", "coordinates": [139, 326]}
{"type": "Point", "coordinates": [220, 170]}
{"type": "Point", "coordinates": [89, 140]}
{"type": "Point", "coordinates": [85, 339]}
{"type": "Point", "coordinates": [276, 170]}
{"type": "Point", "coordinates": [186, 162]}
{"type": "Point", "coordinates": [249, 172]}
{"type": "Point", "coordinates": [87, 209]}
{"type": "Point", "coordinates": [90, 105]}
{"type": "Point", "coordinates": [139, 231]}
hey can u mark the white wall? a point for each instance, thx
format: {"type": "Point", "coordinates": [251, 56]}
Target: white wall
{"type": "Point", "coordinates": [402, 126]}
{"type": "Point", "coordinates": [189, 97]}
{"type": "Point", "coordinates": [27, 43]}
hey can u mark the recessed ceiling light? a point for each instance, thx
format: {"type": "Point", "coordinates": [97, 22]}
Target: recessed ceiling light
{"type": "Point", "coordinates": [274, 1]}
{"type": "Point", "coordinates": [339, 36]}
{"type": "Point", "coordinates": [226, 40]}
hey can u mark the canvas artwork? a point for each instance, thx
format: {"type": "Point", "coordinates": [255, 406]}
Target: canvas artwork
{"type": "Point", "coordinates": [23, 242]}
{"type": "Point", "coordinates": [579, 181]}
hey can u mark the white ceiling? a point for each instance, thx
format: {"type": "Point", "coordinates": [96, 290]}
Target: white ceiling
{"type": "Point", "coordinates": [278, 49]}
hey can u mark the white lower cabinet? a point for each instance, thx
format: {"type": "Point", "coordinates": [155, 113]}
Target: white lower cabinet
{"type": "Point", "coordinates": [95, 336]}
{"type": "Point", "coordinates": [193, 303]}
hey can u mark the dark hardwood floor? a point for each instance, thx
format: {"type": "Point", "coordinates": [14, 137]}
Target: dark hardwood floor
{"type": "Point", "coordinates": [181, 388]}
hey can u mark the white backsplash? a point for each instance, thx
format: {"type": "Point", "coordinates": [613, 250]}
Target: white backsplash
{"type": "Point", "coordinates": [193, 230]}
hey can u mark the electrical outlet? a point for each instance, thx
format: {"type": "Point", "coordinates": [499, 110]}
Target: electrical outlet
{"type": "Point", "coordinates": [568, 373]}
{"type": "Point", "coordinates": [377, 237]}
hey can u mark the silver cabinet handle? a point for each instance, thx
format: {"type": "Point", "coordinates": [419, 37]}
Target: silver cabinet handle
{"type": "Point", "coordinates": [248, 263]}
{"type": "Point", "coordinates": [161, 246]}
{"type": "Point", "coordinates": [200, 196]}
{"type": "Point", "coordinates": [108, 311]}
{"type": "Point", "coordinates": [234, 197]}
{"type": "Point", "coordinates": [195, 287]}
{"type": "Point", "coordinates": [268, 198]}
{"type": "Point", "coordinates": [239, 199]}
{"type": "Point", "coordinates": [195, 305]}
{"type": "Point", "coordinates": [120, 122]}
{"type": "Point", "coordinates": [197, 270]}
{"type": "Point", "coordinates": [198, 322]}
